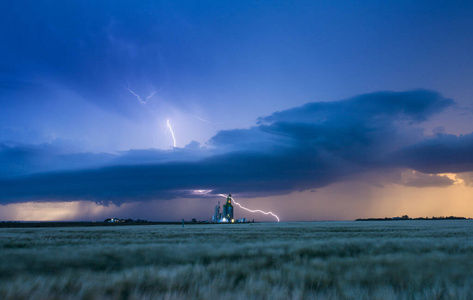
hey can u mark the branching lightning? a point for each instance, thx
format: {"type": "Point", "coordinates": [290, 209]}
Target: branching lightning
{"type": "Point", "coordinates": [145, 102]}
{"type": "Point", "coordinates": [172, 133]}
{"type": "Point", "coordinates": [138, 96]}
{"type": "Point", "coordinates": [252, 210]}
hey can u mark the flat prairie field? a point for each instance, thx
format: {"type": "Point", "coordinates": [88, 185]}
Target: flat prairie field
{"type": "Point", "coordinates": [318, 260]}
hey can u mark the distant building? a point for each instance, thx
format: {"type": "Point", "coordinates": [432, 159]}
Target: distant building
{"type": "Point", "coordinates": [114, 220]}
{"type": "Point", "coordinates": [228, 208]}
{"type": "Point", "coordinates": [227, 215]}
{"type": "Point", "coordinates": [217, 215]}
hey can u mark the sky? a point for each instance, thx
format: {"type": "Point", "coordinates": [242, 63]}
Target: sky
{"type": "Point", "coordinates": [314, 110]}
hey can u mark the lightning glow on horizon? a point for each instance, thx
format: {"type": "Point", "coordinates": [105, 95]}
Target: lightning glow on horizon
{"type": "Point", "coordinates": [172, 133]}
{"type": "Point", "coordinates": [252, 210]}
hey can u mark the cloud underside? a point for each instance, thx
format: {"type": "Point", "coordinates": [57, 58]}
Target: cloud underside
{"type": "Point", "coordinates": [302, 148]}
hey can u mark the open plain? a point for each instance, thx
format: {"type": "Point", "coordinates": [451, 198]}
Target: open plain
{"type": "Point", "coordinates": [323, 260]}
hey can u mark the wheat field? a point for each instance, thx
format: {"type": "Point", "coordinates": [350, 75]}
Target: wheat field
{"type": "Point", "coordinates": [321, 260]}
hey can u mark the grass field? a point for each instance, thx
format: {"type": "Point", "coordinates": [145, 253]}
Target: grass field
{"type": "Point", "coordinates": [322, 260]}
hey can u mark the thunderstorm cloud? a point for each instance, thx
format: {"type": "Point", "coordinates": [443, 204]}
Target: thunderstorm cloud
{"type": "Point", "coordinates": [302, 148]}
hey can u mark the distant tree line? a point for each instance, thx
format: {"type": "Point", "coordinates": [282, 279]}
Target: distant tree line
{"type": "Point", "coordinates": [406, 217]}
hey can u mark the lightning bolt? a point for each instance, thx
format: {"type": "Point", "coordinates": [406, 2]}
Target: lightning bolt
{"type": "Point", "coordinates": [138, 96]}
{"type": "Point", "coordinates": [252, 210]}
{"type": "Point", "coordinates": [172, 133]}
{"type": "Point", "coordinates": [205, 121]}
{"type": "Point", "coordinates": [150, 96]}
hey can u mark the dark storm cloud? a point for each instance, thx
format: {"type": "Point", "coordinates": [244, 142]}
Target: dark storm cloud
{"type": "Point", "coordinates": [298, 149]}
{"type": "Point", "coordinates": [443, 153]}
{"type": "Point", "coordinates": [239, 172]}
{"type": "Point", "coordinates": [414, 106]}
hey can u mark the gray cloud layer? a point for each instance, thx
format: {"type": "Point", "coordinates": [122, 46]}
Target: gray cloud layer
{"type": "Point", "coordinates": [297, 149]}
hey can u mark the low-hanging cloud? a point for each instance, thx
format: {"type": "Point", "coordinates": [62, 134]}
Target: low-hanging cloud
{"type": "Point", "coordinates": [303, 148]}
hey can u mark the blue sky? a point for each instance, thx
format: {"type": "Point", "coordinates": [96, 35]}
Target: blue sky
{"type": "Point", "coordinates": [265, 98]}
